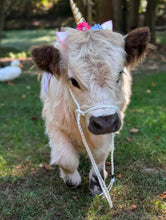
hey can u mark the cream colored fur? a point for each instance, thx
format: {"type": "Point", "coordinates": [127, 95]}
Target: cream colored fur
{"type": "Point", "coordinates": [94, 59]}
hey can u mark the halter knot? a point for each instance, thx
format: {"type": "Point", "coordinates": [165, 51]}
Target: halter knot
{"type": "Point", "coordinates": [80, 112]}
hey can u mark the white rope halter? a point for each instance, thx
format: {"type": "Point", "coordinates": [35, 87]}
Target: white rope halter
{"type": "Point", "coordinates": [95, 167]}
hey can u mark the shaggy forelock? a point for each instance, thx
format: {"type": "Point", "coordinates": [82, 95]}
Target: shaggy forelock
{"type": "Point", "coordinates": [98, 53]}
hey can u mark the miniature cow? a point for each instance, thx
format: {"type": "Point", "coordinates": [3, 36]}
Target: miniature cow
{"type": "Point", "coordinates": [96, 66]}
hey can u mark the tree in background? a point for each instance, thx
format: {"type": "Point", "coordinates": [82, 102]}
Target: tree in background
{"type": "Point", "coordinates": [150, 17]}
{"type": "Point", "coordinates": [133, 14]}
{"type": "Point", "coordinates": [2, 5]}
{"type": "Point", "coordinates": [126, 14]}
{"type": "Point", "coordinates": [120, 15]}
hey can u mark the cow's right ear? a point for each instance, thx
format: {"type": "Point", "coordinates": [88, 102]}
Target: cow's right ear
{"type": "Point", "coordinates": [46, 58]}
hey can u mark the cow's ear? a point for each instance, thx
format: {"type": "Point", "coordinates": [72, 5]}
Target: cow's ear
{"type": "Point", "coordinates": [46, 58]}
{"type": "Point", "coordinates": [136, 46]}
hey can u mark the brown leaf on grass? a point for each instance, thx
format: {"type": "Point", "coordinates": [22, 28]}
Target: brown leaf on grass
{"type": "Point", "coordinates": [133, 207]}
{"type": "Point", "coordinates": [18, 167]}
{"type": "Point", "coordinates": [108, 163]}
{"type": "Point", "coordinates": [153, 84]}
{"type": "Point", "coordinates": [129, 139]}
{"type": "Point", "coordinates": [48, 167]}
{"type": "Point", "coordinates": [74, 197]}
{"type": "Point", "coordinates": [119, 175]}
{"type": "Point", "coordinates": [163, 195]}
{"type": "Point", "coordinates": [134, 130]}
{"type": "Point", "coordinates": [34, 119]}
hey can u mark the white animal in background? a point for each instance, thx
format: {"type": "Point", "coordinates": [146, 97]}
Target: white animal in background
{"type": "Point", "coordinates": [11, 72]}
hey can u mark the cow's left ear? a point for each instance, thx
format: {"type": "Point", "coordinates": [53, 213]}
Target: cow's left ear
{"type": "Point", "coordinates": [136, 46]}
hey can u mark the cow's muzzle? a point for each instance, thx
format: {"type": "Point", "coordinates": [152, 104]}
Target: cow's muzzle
{"type": "Point", "coordinates": [104, 124]}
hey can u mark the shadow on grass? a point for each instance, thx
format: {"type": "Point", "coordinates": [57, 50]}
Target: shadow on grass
{"type": "Point", "coordinates": [42, 194]}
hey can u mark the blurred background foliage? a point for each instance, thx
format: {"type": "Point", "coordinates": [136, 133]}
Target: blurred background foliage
{"type": "Point", "coordinates": [51, 14]}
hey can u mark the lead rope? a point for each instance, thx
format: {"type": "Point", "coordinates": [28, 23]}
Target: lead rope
{"type": "Point", "coordinates": [100, 179]}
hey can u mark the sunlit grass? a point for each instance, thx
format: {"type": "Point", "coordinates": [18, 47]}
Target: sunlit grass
{"type": "Point", "coordinates": [18, 42]}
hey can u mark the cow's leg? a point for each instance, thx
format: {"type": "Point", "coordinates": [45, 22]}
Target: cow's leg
{"type": "Point", "coordinates": [100, 155]}
{"type": "Point", "coordinates": [65, 155]}
{"type": "Point", "coordinates": [94, 185]}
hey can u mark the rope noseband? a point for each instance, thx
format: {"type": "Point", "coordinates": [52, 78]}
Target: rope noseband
{"type": "Point", "coordinates": [79, 112]}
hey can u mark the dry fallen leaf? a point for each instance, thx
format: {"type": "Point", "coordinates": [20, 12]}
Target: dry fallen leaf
{"type": "Point", "coordinates": [48, 167]}
{"type": "Point", "coordinates": [148, 91]}
{"type": "Point", "coordinates": [163, 195]}
{"type": "Point", "coordinates": [153, 84]}
{"type": "Point", "coordinates": [129, 139]}
{"type": "Point", "coordinates": [34, 119]}
{"type": "Point", "coordinates": [108, 163]}
{"type": "Point", "coordinates": [134, 130]}
{"type": "Point", "coordinates": [18, 167]}
{"type": "Point", "coordinates": [119, 175]}
{"type": "Point", "coordinates": [133, 207]}
{"type": "Point", "coordinates": [74, 197]}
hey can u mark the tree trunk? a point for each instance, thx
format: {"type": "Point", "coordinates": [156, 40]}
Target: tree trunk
{"type": "Point", "coordinates": [107, 10]}
{"type": "Point", "coordinates": [133, 14]}
{"type": "Point", "coordinates": [150, 17]}
{"type": "Point", "coordinates": [82, 5]}
{"type": "Point", "coordinates": [2, 15]}
{"type": "Point", "coordinates": [120, 15]}
{"type": "Point", "coordinates": [98, 14]}
{"type": "Point", "coordinates": [89, 11]}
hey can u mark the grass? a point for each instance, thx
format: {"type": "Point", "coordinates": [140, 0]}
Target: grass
{"type": "Point", "coordinates": [17, 43]}
{"type": "Point", "coordinates": [31, 189]}
{"type": "Point", "coordinates": [161, 37]}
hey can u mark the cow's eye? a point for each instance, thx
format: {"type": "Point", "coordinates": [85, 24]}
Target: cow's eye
{"type": "Point", "coordinates": [119, 77]}
{"type": "Point", "coordinates": [74, 82]}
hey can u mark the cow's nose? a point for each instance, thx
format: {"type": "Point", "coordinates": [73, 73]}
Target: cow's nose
{"type": "Point", "coordinates": [104, 124]}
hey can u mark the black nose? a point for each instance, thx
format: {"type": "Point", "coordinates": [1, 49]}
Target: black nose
{"type": "Point", "coordinates": [104, 124]}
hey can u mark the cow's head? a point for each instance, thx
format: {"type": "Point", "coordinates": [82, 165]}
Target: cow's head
{"type": "Point", "coordinates": [95, 66]}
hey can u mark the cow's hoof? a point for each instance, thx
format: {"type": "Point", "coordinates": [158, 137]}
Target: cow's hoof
{"type": "Point", "coordinates": [71, 184]}
{"type": "Point", "coordinates": [72, 180]}
{"type": "Point", "coordinates": [94, 186]}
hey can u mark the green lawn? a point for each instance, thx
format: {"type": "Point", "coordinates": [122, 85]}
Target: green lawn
{"type": "Point", "coordinates": [31, 189]}
{"type": "Point", "coordinates": [18, 42]}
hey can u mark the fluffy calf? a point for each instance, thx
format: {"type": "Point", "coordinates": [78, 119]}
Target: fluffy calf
{"type": "Point", "coordinates": [96, 66]}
